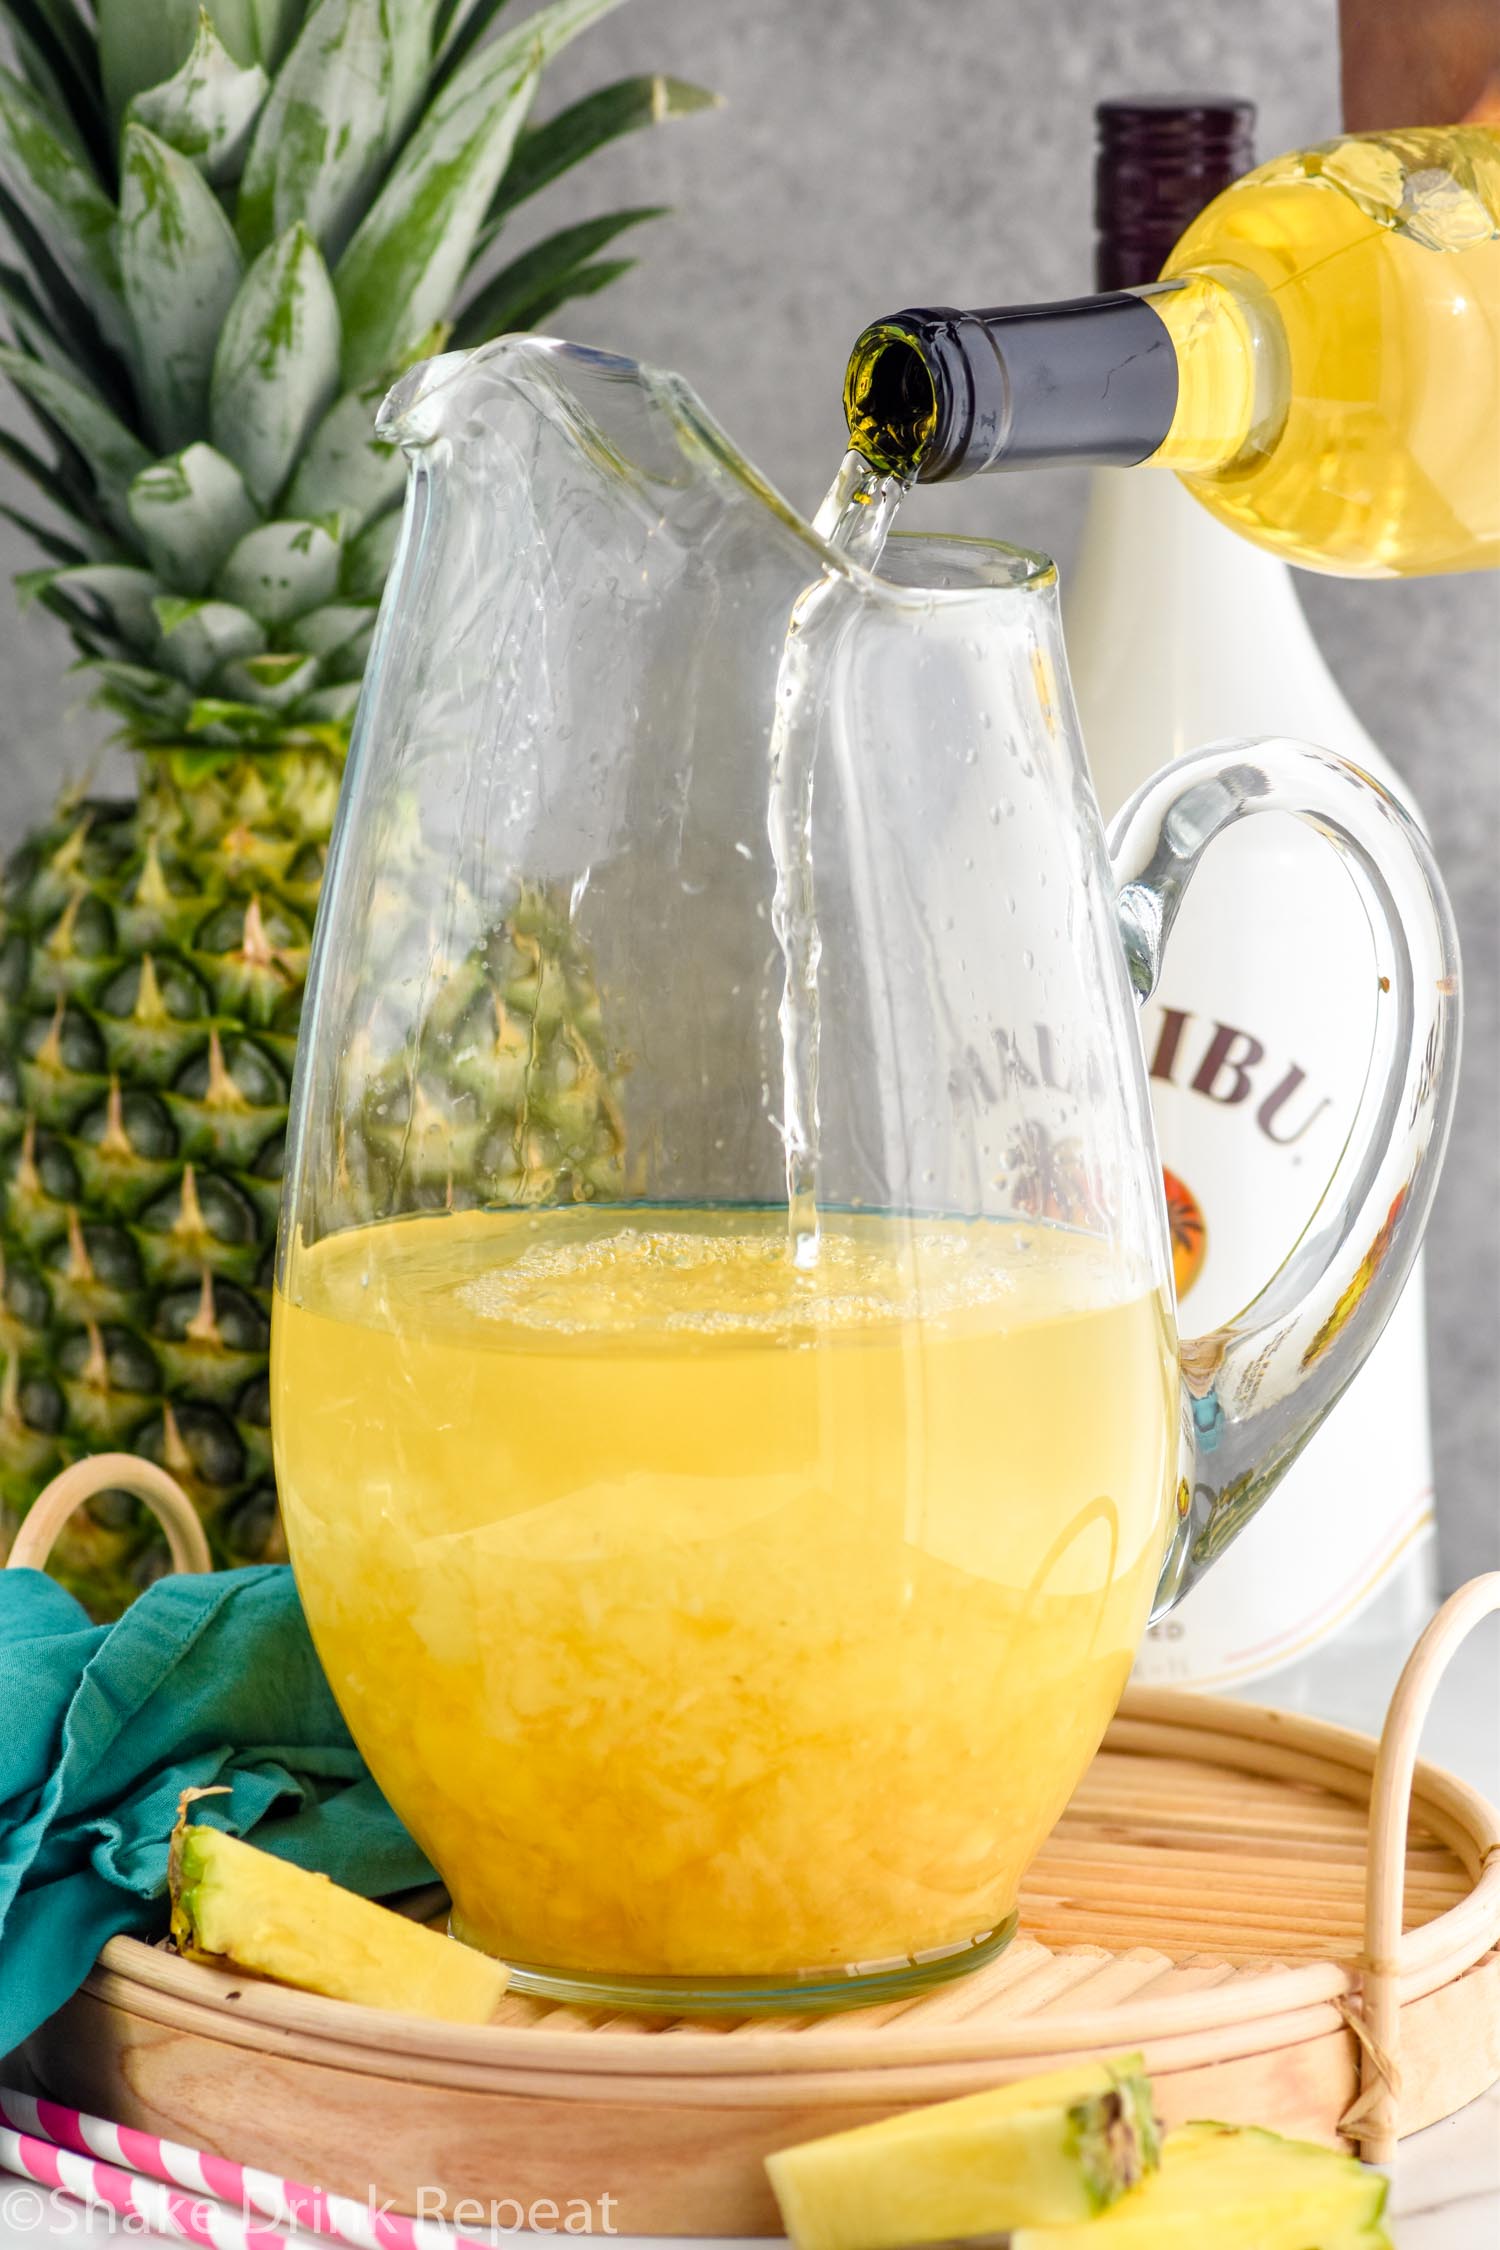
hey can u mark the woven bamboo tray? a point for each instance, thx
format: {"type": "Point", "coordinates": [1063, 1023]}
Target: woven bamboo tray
{"type": "Point", "coordinates": [1237, 1892]}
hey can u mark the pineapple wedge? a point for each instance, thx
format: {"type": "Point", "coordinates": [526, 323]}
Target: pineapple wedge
{"type": "Point", "coordinates": [1233, 2187]}
{"type": "Point", "coordinates": [1043, 2153]}
{"type": "Point", "coordinates": [234, 1906]}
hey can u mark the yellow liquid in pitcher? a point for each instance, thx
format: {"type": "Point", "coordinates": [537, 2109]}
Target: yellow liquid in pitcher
{"type": "Point", "coordinates": [705, 1618]}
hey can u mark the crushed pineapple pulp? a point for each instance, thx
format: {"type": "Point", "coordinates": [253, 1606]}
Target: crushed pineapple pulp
{"type": "Point", "coordinates": [701, 1617]}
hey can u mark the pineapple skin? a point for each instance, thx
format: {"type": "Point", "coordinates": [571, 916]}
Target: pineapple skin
{"type": "Point", "coordinates": [152, 964]}
{"type": "Point", "coordinates": [152, 959]}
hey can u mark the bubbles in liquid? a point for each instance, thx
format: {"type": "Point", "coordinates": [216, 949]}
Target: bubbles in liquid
{"type": "Point", "coordinates": [608, 1277]}
{"type": "Point", "coordinates": [675, 1281]}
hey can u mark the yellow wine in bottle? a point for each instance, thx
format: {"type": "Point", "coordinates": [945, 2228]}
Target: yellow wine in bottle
{"type": "Point", "coordinates": [1320, 362]}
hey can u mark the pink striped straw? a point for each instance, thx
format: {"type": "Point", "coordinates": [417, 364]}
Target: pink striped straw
{"type": "Point", "coordinates": [183, 2190]}
{"type": "Point", "coordinates": [169, 2211]}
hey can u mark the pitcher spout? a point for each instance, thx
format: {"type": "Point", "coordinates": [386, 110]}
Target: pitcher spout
{"type": "Point", "coordinates": [411, 413]}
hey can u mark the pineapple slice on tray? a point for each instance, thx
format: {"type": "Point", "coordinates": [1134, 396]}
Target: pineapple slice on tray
{"type": "Point", "coordinates": [237, 1907]}
{"type": "Point", "coordinates": [1233, 2187]}
{"type": "Point", "coordinates": [1072, 2161]}
{"type": "Point", "coordinates": [1042, 2152]}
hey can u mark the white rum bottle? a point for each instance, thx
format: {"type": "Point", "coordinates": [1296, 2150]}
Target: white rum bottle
{"type": "Point", "coordinates": [1179, 632]}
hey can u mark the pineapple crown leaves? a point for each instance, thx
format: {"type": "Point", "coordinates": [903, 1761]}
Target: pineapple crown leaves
{"type": "Point", "coordinates": [233, 224]}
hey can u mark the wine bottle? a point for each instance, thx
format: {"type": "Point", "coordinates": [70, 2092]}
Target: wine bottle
{"type": "Point", "coordinates": [1180, 632]}
{"type": "Point", "coordinates": [1319, 361]}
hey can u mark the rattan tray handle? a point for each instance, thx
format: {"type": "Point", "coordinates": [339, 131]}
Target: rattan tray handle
{"type": "Point", "coordinates": [112, 1472]}
{"type": "Point", "coordinates": [1376, 2021]}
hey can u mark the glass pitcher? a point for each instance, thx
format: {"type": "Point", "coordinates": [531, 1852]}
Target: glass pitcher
{"type": "Point", "coordinates": [727, 1406]}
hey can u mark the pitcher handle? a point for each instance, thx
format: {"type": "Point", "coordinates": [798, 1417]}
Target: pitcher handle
{"type": "Point", "coordinates": [1256, 1389]}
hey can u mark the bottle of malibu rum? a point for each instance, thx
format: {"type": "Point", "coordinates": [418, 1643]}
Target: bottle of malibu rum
{"type": "Point", "coordinates": [1178, 632]}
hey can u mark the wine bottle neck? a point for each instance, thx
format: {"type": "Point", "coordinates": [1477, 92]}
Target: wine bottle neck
{"type": "Point", "coordinates": [1173, 373]}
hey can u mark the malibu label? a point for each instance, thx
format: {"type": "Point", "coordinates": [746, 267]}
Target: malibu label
{"type": "Point", "coordinates": [1256, 1065]}
{"type": "Point", "coordinates": [1258, 1044]}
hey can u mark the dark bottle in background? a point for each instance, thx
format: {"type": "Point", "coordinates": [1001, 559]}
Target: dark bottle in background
{"type": "Point", "coordinates": [1160, 159]}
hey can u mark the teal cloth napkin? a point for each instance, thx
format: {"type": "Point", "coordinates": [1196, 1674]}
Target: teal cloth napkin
{"type": "Point", "coordinates": [203, 1680]}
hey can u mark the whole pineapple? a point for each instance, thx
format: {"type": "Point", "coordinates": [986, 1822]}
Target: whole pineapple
{"type": "Point", "coordinates": [234, 225]}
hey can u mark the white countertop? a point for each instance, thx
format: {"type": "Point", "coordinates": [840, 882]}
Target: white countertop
{"type": "Point", "coordinates": [1446, 2181]}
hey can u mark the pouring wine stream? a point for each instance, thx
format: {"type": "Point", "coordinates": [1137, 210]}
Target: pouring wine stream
{"type": "Point", "coordinates": [855, 517]}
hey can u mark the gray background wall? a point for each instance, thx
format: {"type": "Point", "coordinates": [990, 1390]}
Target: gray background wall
{"type": "Point", "coordinates": [876, 152]}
